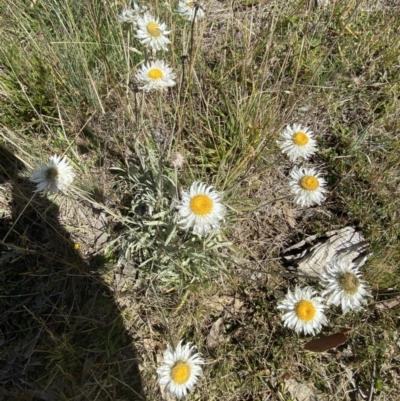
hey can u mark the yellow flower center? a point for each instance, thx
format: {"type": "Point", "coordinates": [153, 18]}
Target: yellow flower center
{"type": "Point", "coordinates": [201, 205]}
{"type": "Point", "coordinates": [349, 283]}
{"type": "Point", "coordinates": [190, 4]}
{"type": "Point", "coordinates": [309, 183]}
{"type": "Point", "coordinates": [180, 373]}
{"type": "Point", "coordinates": [305, 310]}
{"type": "Point", "coordinates": [155, 73]}
{"type": "Point", "coordinates": [153, 29]}
{"type": "Point", "coordinates": [300, 138]}
{"type": "Point", "coordinates": [52, 173]}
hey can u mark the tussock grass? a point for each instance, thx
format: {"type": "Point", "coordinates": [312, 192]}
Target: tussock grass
{"type": "Point", "coordinates": [80, 326]}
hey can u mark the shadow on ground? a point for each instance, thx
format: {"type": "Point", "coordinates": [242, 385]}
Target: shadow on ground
{"type": "Point", "coordinates": [61, 333]}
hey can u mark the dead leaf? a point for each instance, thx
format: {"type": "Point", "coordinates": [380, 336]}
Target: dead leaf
{"type": "Point", "coordinates": [300, 391]}
{"type": "Point", "coordinates": [214, 338]}
{"type": "Point", "coordinates": [237, 306]}
{"type": "Point", "coordinates": [327, 342]}
{"type": "Point", "coordinates": [217, 303]}
{"type": "Point", "coordinates": [288, 213]}
{"type": "Point", "coordinates": [151, 345]}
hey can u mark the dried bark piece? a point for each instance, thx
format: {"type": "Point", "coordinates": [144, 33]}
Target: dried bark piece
{"type": "Point", "coordinates": [346, 243]}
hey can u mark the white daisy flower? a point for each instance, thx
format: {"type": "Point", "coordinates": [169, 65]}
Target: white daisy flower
{"type": "Point", "coordinates": [180, 371]}
{"type": "Point", "coordinates": [57, 175]}
{"type": "Point", "coordinates": [307, 186]}
{"type": "Point", "coordinates": [138, 8]}
{"type": "Point", "coordinates": [297, 142]}
{"type": "Point", "coordinates": [130, 15]}
{"type": "Point", "coordinates": [201, 208]}
{"type": "Point", "coordinates": [151, 33]}
{"type": "Point", "coordinates": [344, 286]}
{"type": "Point", "coordinates": [303, 312]}
{"type": "Point", "coordinates": [187, 10]}
{"type": "Point", "coordinates": [127, 16]}
{"type": "Point", "coordinates": [155, 75]}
